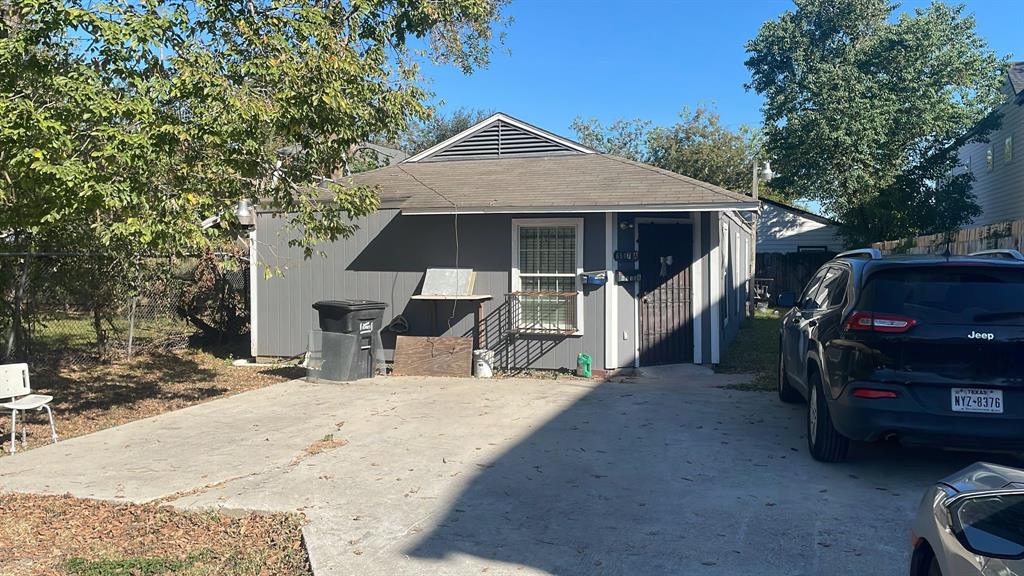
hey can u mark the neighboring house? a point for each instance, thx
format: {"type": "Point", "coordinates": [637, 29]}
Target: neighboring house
{"type": "Point", "coordinates": [386, 156]}
{"type": "Point", "coordinates": [537, 217]}
{"type": "Point", "coordinates": [782, 228]}
{"type": "Point", "coordinates": [997, 164]}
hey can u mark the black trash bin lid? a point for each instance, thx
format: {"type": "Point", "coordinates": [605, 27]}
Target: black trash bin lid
{"type": "Point", "coordinates": [349, 305]}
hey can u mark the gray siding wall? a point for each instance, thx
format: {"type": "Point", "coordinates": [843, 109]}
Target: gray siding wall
{"type": "Point", "coordinates": [737, 254]}
{"type": "Point", "coordinates": [999, 191]}
{"type": "Point", "coordinates": [784, 231]}
{"type": "Point", "coordinates": [386, 259]}
{"type": "Point", "coordinates": [708, 224]}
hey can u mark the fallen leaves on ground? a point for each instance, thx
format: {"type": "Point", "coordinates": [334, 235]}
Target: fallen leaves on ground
{"type": "Point", "coordinates": [326, 443]}
{"type": "Point", "coordinates": [87, 399]}
{"type": "Point", "coordinates": [51, 535]}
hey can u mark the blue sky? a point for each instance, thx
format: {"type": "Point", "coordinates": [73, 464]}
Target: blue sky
{"type": "Point", "coordinates": [643, 59]}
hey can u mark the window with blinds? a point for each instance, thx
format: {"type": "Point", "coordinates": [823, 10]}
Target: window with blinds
{"type": "Point", "coordinates": [547, 263]}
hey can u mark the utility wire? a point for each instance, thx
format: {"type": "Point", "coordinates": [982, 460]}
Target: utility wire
{"type": "Point", "coordinates": [455, 303]}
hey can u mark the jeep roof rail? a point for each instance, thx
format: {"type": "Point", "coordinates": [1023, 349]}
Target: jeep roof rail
{"type": "Point", "coordinates": [1000, 253]}
{"type": "Point", "coordinates": [871, 253]}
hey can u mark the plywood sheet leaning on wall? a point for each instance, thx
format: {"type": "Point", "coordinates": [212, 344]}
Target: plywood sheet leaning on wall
{"type": "Point", "coordinates": [433, 356]}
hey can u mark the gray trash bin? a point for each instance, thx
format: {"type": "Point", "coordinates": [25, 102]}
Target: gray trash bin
{"type": "Point", "coordinates": [351, 338]}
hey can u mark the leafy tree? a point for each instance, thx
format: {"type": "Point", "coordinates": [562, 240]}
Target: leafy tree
{"type": "Point", "coordinates": [124, 124]}
{"type": "Point", "coordinates": [626, 138]}
{"type": "Point", "coordinates": [133, 121]}
{"type": "Point", "coordinates": [438, 127]}
{"type": "Point", "coordinates": [864, 113]}
{"type": "Point", "coordinates": [698, 145]}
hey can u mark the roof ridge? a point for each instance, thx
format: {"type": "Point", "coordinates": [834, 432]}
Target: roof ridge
{"type": "Point", "coordinates": [785, 206]}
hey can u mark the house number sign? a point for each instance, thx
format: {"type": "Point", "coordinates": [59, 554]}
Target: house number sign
{"type": "Point", "coordinates": [626, 255]}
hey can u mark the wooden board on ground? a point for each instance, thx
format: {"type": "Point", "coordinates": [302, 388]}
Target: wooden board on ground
{"type": "Point", "coordinates": [433, 356]}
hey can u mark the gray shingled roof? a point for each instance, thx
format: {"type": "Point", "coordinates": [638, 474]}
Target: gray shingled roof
{"type": "Point", "coordinates": [567, 182]}
{"type": "Point", "coordinates": [1016, 74]}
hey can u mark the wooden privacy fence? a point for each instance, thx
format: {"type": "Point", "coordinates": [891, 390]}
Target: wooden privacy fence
{"type": "Point", "coordinates": [964, 241]}
{"type": "Point", "coordinates": [789, 272]}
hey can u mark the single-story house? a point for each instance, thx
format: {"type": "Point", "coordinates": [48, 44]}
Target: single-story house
{"type": "Point", "coordinates": [578, 252]}
{"type": "Point", "coordinates": [782, 229]}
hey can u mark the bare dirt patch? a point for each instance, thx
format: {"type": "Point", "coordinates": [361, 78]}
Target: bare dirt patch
{"type": "Point", "coordinates": [87, 399]}
{"type": "Point", "coordinates": [51, 535]}
{"type": "Point", "coordinates": [328, 442]}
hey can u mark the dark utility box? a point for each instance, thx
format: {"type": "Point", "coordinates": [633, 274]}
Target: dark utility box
{"type": "Point", "coordinates": [345, 316]}
{"type": "Point", "coordinates": [351, 342]}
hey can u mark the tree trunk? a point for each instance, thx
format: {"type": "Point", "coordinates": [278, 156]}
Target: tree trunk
{"type": "Point", "coordinates": [16, 346]}
{"type": "Point", "coordinates": [97, 326]}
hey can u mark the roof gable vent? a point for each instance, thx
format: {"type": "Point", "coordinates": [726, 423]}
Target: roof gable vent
{"type": "Point", "coordinates": [501, 140]}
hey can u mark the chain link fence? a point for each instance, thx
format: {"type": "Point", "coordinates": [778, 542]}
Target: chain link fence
{"type": "Point", "coordinates": [59, 309]}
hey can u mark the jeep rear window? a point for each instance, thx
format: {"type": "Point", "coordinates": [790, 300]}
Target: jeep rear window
{"type": "Point", "coordinates": [948, 294]}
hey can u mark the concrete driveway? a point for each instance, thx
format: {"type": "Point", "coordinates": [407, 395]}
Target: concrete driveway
{"type": "Point", "coordinates": [666, 473]}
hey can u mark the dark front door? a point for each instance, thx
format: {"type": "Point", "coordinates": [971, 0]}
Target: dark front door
{"type": "Point", "coordinates": [666, 328]}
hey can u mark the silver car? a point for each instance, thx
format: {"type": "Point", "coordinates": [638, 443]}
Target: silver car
{"type": "Point", "coordinates": [971, 523]}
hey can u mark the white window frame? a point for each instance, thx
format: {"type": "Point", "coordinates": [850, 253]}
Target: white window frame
{"type": "Point", "coordinates": [517, 283]}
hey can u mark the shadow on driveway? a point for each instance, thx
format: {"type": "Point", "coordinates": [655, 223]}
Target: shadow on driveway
{"type": "Point", "coordinates": [676, 476]}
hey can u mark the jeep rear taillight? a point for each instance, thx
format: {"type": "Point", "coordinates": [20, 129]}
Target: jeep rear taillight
{"type": "Point", "coordinates": [877, 322]}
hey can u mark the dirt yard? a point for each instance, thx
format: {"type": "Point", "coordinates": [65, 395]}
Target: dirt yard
{"type": "Point", "coordinates": [51, 535]}
{"type": "Point", "coordinates": [87, 399]}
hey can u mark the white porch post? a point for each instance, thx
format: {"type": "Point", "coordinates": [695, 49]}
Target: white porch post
{"type": "Point", "coordinates": [716, 286]}
{"type": "Point", "coordinates": [611, 296]}
{"type": "Point", "coordinates": [697, 289]}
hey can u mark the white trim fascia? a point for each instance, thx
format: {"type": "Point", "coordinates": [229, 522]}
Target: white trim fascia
{"type": "Point", "coordinates": [731, 214]}
{"type": "Point", "coordinates": [515, 280]}
{"type": "Point", "coordinates": [711, 207]}
{"type": "Point", "coordinates": [611, 295]}
{"type": "Point", "coordinates": [715, 277]}
{"type": "Point", "coordinates": [491, 120]}
{"type": "Point", "coordinates": [254, 266]}
{"type": "Point", "coordinates": [697, 299]}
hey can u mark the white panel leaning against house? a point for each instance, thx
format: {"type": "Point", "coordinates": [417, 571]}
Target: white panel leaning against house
{"type": "Point", "coordinates": [14, 384]}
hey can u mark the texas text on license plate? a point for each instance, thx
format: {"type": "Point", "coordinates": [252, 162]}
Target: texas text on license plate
{"type": "Point", "coordinates": [977, 400]}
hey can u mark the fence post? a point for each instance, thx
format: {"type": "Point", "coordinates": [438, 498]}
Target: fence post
{"type": "Point", "coordinates": [131, 327]}
{"type": "Point", "coordinates": [135, 300]}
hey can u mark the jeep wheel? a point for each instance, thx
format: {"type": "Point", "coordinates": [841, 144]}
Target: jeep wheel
{"type": "Point", "coordinates": [824, 441]}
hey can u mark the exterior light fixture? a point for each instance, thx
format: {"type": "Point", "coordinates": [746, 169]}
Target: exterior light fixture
{"type": "Point", "coordinates": [244, 213]}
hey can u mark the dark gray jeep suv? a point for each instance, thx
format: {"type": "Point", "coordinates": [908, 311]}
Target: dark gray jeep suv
{"type": "Point", "coordinates": [926, 349]}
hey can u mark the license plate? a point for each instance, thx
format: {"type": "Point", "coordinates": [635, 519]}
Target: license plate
{"type": "Point", "coordinates": [977, 400]}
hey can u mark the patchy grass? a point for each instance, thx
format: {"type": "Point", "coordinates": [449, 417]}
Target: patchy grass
{"type": "Point", "coordinates": [52, 535]}
{"type": "Point", "coordinates": [755, 351]}
{"type": "Point", "coordinates": [87, 399]}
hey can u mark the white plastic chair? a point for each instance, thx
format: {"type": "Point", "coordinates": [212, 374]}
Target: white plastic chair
{"type": "Point", "coordinates": [14, 383]}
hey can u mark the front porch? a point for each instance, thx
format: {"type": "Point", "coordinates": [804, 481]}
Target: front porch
{"type": "Point", "coordinates": [680, 286]}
